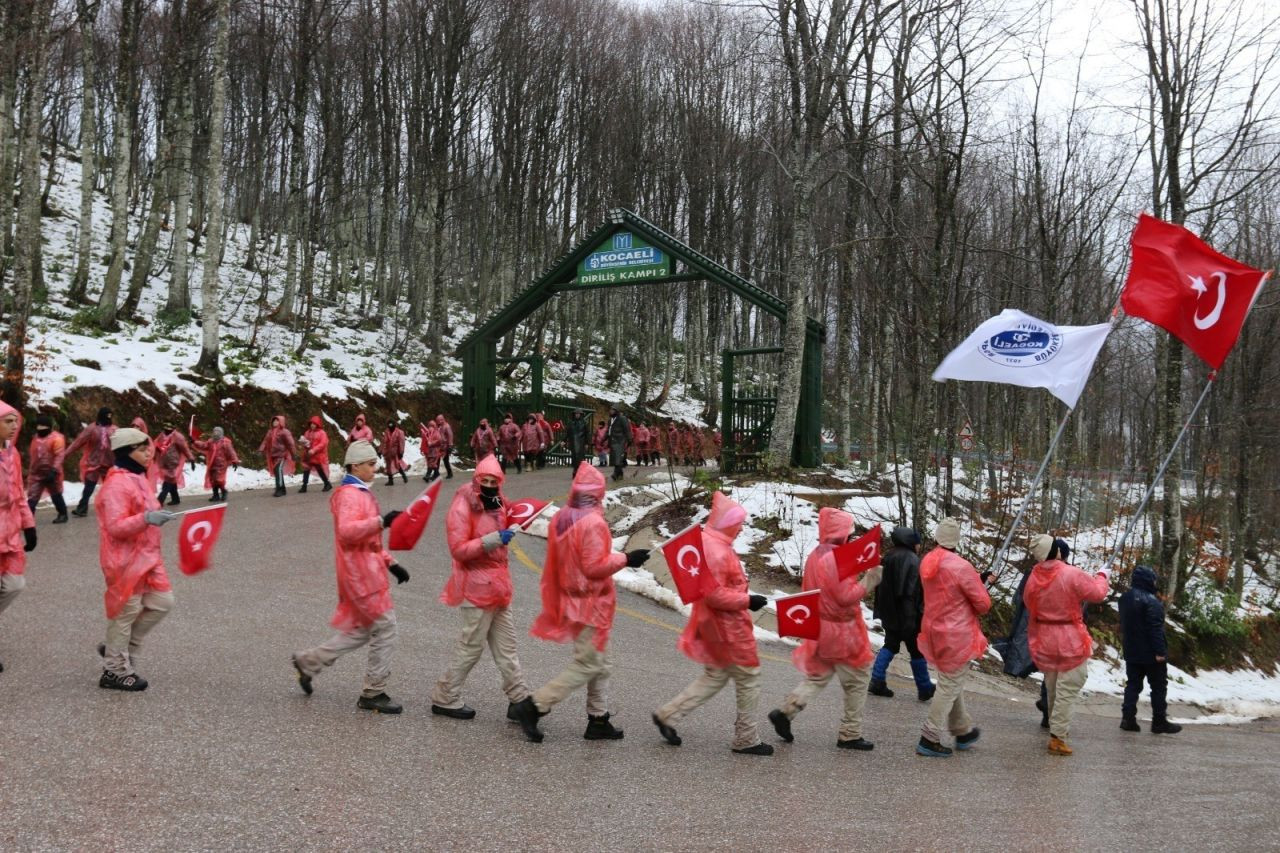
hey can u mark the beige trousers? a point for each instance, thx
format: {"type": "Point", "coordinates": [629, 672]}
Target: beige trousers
{"type": "Point", "coordinates": [746, 682]}
{"type": "Point", "coordinates": [10, 587]}
{"type": "Point", "coordinates": [381, 637]}
{"type": "Point", "coordinates": [854, 680]}
{"type": "Point", "coordinates": [1063, 689]}
{"type": "Point", "coordinates": [139, 615]}
{"type": "Point", "coordinates": [946, 709]}
{"type": "Point", "coordinates": [480, 627]}
{"type": "Point", "coordinates": [591, 667]}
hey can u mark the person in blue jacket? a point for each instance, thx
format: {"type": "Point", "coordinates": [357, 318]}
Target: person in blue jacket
{"type": "Point", "coordinates": [1146, 655]}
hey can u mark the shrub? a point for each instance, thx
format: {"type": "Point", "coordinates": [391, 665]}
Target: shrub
{"type": "Point", "coordinates": [1212, 613]}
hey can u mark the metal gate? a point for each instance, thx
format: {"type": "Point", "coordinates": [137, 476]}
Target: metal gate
{"type": "Point", "coordinates": [748, 408]}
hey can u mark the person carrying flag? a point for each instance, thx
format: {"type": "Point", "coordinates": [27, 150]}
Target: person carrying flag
{"type": "Point", "coordinates": [219, 454]}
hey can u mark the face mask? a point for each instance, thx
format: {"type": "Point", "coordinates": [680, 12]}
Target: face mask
{"type": "Point", "coordinates": [489, 497]}
{"type": "Point", "coordinates": [42, 431]}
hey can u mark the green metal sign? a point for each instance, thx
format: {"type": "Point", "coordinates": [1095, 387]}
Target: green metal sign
{"type": "Point", "coordinates": [623, 258]}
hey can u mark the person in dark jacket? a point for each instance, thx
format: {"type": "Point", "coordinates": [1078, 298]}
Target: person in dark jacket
{"type": "Point", "coordinates": [619, 434]}
{"type": "Point", "coordinates": [899, 606]}
{"type": "Point", "coordinates": [579, 429]}
{"type": "Point", "coordinates": [1146, 655]}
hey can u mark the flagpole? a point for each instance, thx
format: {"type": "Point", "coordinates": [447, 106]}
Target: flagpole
{"type": "Point", "coordinates": [1133, 522]}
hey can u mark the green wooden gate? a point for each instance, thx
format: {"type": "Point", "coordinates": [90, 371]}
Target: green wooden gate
{"type": "Point", "coordinates": [748, 408]}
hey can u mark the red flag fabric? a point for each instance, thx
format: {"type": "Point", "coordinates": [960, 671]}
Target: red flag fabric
{"type": "Point", "coordinates": [197, 536]}
{"type": "Point", "coordinates": [860, 555]}
{"type": "Point", "coordinates": [407, 527]}
{"type": "Point", "coordinates": [523, 512]}
{"type": "Point", "coordinates": [1182, 285]}
{"type": "Point", "coordinates": [798, 615]}
{"type": "Point", "coordinates": [193, 430]}
{"type": "Point", "coordinates": [687, 563]}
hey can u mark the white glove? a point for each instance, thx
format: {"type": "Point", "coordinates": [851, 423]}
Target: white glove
{"type": "Point", "coordinates": [159, 517]}
{"type": "Point", "coordinates": [491, 541]}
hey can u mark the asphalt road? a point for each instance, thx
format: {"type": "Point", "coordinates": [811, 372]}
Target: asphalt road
{"type": "Point", "coordinates": [224, 752]}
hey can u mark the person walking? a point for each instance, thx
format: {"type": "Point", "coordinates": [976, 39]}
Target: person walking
{"type": "Point", "coordinates": [17, 522]}
{"type": "Point", "coordinates": [484, 441]}
{"type": "Point", "coordinates": [171, 453]}
{"type": "Point", "coordinates": [899, 604]}
{"type": "Point", "coordinates": [361, 431]}
{"type": "Point", "coordinates": [640, 433]}
{"type": "Point", "coordinates": [600, 443]}
{"type": "Point", "coordinates": [432, 449]}
{"type": "Point", "coordinates": [278, 449]}
{"type": "Point", "coordinates": [1146, 653]}
{"type": "Point", "coordinates": [393, 453]}
{"type": "Point", "coordinates": [531, 441]}
{"type": "Point", "coordinates": [45, 454]}
{"type": "Point", "coordinates": [446, 444]}
{"type": "Point", "coordinates": [315, 458]}
{"type": "Point", "coordinates": [509, 443]}
{"type": "Point", "coordinates": [95, 440]}
{"type": "Point", "coordinates": [579, 438]}
{"type": "Point", "coordinates": [619, 437]}
{"type": "Point", "coordinates": [548, 438]}
{"type": "Point", "coordinates": [219, 454]}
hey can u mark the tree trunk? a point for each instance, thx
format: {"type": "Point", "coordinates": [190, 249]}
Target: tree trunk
{"type": "Point", "coordinates": [208, 363]}
{"type": "Point", "coordinates": [800, 263]}
{"type": "Point", "coordinates": [178, 305]}
{"type": "Point", "coordinates": [88, 12]}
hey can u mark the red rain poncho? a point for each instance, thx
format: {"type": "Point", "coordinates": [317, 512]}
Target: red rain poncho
{"type": "Point", "coordinates": [446, 432]}
{"type": "Point", "coordinates": [640, 435]}
{"type": "Point", "coordinates": [954, 598]}
{"type": "Point", "coordinates": [483, 441]}
{"type": "Point", "coordinates": [478, 577]}
{"type": "Point", "coordinates": [277, 446]}
{"type": "Point", "coordinates": [171, 453]}
{"type": "Point", "coordinates": [720, 631]}
{"type": "Point", "coordinates": [844, 635]}
{"type": "Point", "coordinates": [95, 440]}
{"type": "Point", "coordinates": [128, 547]}
{"type": "Point", "coordinates": [544, 429]}
{"type": "Point", "coordinates": [316, 456]}
{"type": "Point", "coordinates": [45, 456]}
{"type": "Point", "coordinates": [15, 515]}
{"type": "Point", "coordinates": [360, 432]}
{"type": "Point", "coordinates": [600, 441]}
{"type": "Point", "coordinates": [530, 438]}
{"type": "Point", "coordinates": [363, 590]}
{"type": "Point", "coordinates": [577, 578]}
{"type": "Point", "coordinates": [1056, 632]}
{"type": "Point", "coordinates": [393, 450]}
{"type": "Point", "coordinates": [219, 454]}
{"type": "Point", "coordinates": [432, 445]}
{"type": "Point", "coordinates": [509, 440]}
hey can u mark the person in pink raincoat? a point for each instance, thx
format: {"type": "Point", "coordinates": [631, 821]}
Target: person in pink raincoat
{"type": "Point", "coordinates": [675, 453]}
{"type": "Point", "coordinates": [548, 438]}
{"type": "Point", "coordinates": [17, 523]}
{"type": "Point", "coordinates": [393, 444]}
{"type": "Point", "coordinates": [47, 449]}
{"type": "Point", "coordinates": [578, 604]}
{"type": "Point", "coordinates": [484, 441]}
{"type": "Point", "coordinates": [950, 638]}
{"type": "Point", "coordinates": [1060, 644]}
{"type": "Point", "coordinates": [480, 586]}
{"type": "Point", "coordinates": [600, 443]}
{"type": "Point", "coordinates": [278, 449]}
{"type": "Point", "coordinates": [640, 435]}
{"type": "Point", "coordinates": [531, 441]}
{"type": "Point", "coordinates": [432, 449]}
{"type": "Point", "coordinates": [138, 593]}
{"type": "Point", "coordinates": [446, 444]}
{"type": "Point", "coordinates": [842, 649]}
{"type": "Point", "coordinates": [219, 454]}
{"type": "Point", "coordinates": [509, 443]}
{"type": "Point", "coordinates": [361, 431]}
{"type": "Point", "coordinates": [721, 636]}
{"type": "Point", "coordinates": [95, 441]}
{"type": "Point", "coordinates": [171, 453]}
{"type": "Point", "coordinates": [365, 613]}
{"type": "Point", "coordinates": [315, 454]}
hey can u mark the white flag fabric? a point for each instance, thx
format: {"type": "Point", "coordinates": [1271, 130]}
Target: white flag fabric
{"type": "Point", "coordinates": [1018, 349]}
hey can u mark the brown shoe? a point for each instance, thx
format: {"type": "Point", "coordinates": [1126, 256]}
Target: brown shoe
{"type": "Point", "coordinates": [1058, 746]}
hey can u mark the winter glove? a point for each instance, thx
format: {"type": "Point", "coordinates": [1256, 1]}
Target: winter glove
{"type": "Point", "coordinates": [29, 534]}
{"type": "Point", "coordinates": [637, 558]}
{"type": "Point", "coordinates": [492, 540]}
{"type": "Point", "coordinates": [388, 518]}
{"type": "Point", "coordinates": [398, 572]}
{"type": "Point", "coordinates": [159, 517]}
{"type": "Point", "coordinates": [986, 576]}
{"type": "Point", "coordinates": [757, 601]}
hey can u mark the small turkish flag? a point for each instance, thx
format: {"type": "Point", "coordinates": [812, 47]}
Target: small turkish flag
{"type": "Point", "coordinates": [193, 430]}
{"type": "Point", "coordinates": [524, 512]}
{"type": "Point", "coordinates": [1182, 285]}
{"type": "Point", "coordinates": [798, 615]}
{"type": "Point", "coordinates": [407, 527]}
{"type": "Point", "coordinates": [687, 562]}
{"type": "Point", "coordinates": [860, 555]}
{"type": "Point", "coordinates": [197, 536]}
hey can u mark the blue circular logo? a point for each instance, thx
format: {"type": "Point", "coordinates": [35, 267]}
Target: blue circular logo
{"type": "Point", "coordinates": [1025, 345]}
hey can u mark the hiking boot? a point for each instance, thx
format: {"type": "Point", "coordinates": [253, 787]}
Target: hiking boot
{"type": "Point", "coordinates": [528, 714]}
{"type": "Point", "coordinates": [302, 490]}
{"type": "Point", "coordinates": [924, 694]}
{"type": "Point", "coordinates": [130, 683]}
{"type": "Point", "coordinates": [1129, 723]}
{"type": "Point", "coordinates": [328, 487]}
{"type": "Point", "coordinates": [391, 481]}
{"type": "Point", "coordinates": [1164, 727]}
{"type": "Point", "coordinates": [466, 712]}
{"type": "Point", "coordinates": [404, 477]}
{"type": "Point", "coordinates": [174, 501]}
{"type": "Point", "coordinates": [932, 748]}
{"type": "Point", "coordinates": [512, 714]}
{"type": "Point", "coordinates": [61, 519]}
{"type": "Point", "coordinates": [79, 513]}
{"type": "Point", "coordinates": [668, 732]}
{"type": "Point", "coordinates": [966, 741]}
{"type": "Point", "coordinates": [599, 728]}
{"type": "Point", "coordinates": [860, 744]}
{"type": "Point", "coordinates": [879, 688]}
{"type": "Point", "coordinates": [781, 725]}
{"type": "Point", "coordinates": [758, 749]}
{"type": "Point", "coordinates": [304, 680]}
{"type": "Point", "coordinates": [214, 497]}
{"type": "Point", "coordinates": [280, 490]}
{"type": "Point", "coordinates": [381, 703]}
{"type": "Point", "coordinates": [1058, 746]}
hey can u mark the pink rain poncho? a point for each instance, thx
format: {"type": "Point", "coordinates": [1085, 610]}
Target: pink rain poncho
{"type": "Point", "coordinates": [15, 515]}
{"type": "Point", "coordinates": [171, 452]}
{"type": "Point", "coordinates": [544, 429]}
{"type": "Point", "coordinates": [1056, 631]}
{"type": "Point", "coordinates": [720, 632]}
{"type": "Point", "coordinates": [128, 547]}
{"type": "Point", "coordinates": [484, 440]}
{"type": "Point", "coordinates": [393, 450]}
{"type": "Point", "coordinates": [317, 453]}
{"type": "Point", "coordinates": [530, 437]}
{"type": "Point", "coordinates": [509, 440]}
{"type": "Point", "coordinates": [95, 440]}
{"type": "Point", "coordinates": [360, 432]}
{"type": "Point", "coordinates": [577, 578]}
{"type": "Point", "coordinates": [363, 590]}
{"type": "Point", "coordinates": [954, 598]}
{"type": "Point", "coordinates": [600, 441]}
{"type": "Point", "coordinates": [432, 446]}
{"type": "Point", "coordinates": [45, 455]}
{"type": "Point", "coordinates": [843, 638]}
{"type": "Point", "coordinates": [277, 446]}
{"type": "Point", "coordinates": [479, 577]}
{"type": "Point", "coordinates": [219, 454]}
{"type": "Point", "coordinates": [446, 432]}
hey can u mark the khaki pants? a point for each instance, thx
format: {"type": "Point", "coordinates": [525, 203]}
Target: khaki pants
{"type": "Point", "coordinates": [946, 709]}
{"type": "Point", "coordinates": [854, 680]}
{"type": "Point", "coordinates": [1063, 689]}
{"type": "Point", "coordinates": [139, 615]}
{"type": "Point", "coordinates": [381, 637]}
{"type": "Point", "coordinates": [480, 628]}
{"type": "Point", "coordinates": [10, 587]}
{"type": "Point", "coordinates": [591, 667]}
{"type": "Point", "coordinates": [746, 682]}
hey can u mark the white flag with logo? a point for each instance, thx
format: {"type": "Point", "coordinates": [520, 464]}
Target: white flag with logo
{"type": "Point", "coordinates": [1018, 349]}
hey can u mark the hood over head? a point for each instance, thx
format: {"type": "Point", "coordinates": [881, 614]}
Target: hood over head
{"type": "Point", "coordinates": [489, 466]}
{"type": "Point", "coordinates": [1144, 578]}
{"type": "Point", "coordinates": [905, 537]}
{"type": "Point", "coordinates": [834, 525]}
{"type": "Point", "coordinates": [727, 515]}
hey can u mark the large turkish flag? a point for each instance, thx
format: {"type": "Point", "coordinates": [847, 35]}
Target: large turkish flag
{"type": "Point", "coordinates": [860, 555]}
{"type": "Point", "coordinates": [197, 536]}
{"type": "Point", "coordinates": [407, 527]}
{"type": "Point", "coordinates": [798, 615]}
{"type": "Point", "coordinates": [1181, 284]}
{"type": "Point", "coordinates": [687, 562]}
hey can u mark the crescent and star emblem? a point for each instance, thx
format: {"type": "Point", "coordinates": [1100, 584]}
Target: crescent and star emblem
{"type": "Point", "coordinates": [797, 608]}
{"type": "Point", "coordinates": [521, 510]}
{"type": "Point", "coordinates": [197, 542]}
{"type": "Point", "coordinates": [868, 553]}
{"type": "Point", "coordinates": [1198, 285]}
{"type": "Point", "coordinates": [689, 549]}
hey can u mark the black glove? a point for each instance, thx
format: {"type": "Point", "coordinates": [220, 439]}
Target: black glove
{"type": "Point", "coordinates": [30, 535]}
{"type": "Point", "coordinates": [386, 522]}
{"type": "Point", "coordinates": [398, 572]}
{"type": "Point", "coordinates": [637, 558]}
{"type": "Point", "coordinates": [757, 601]}
{"type": "Point", "coordinates": [985, 576]}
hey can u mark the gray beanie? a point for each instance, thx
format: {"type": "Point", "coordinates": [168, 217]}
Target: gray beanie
{"type": "Point", "coordinates": [359, 451]}
{"type": "Point", "coordinates": [947, 533]}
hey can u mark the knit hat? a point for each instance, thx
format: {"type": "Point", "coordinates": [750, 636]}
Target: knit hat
{"type": "Point", "coordinates": [359, 451]}
{"type": "Point", "coordinates": [128, 437]}
{"type": "Point", "coordinates": [947, 533]}
{"type": "Point", "coordinates": [1040, 546]}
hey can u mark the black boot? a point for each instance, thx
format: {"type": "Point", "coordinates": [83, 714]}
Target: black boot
{"type": "Point", "coordinates": [328, 487]}
{"type": "Point", "coordinates": [391, 480]}
{"type": "Point", "coordinates": [528, 714]}
{"type": "Point", "coordinates": [599, 728]}
{"type": "Point", "coordinates": [879, 688]}
{"type": "Point", "coordinates": [758, 749]}
{"type": "Point", "coordinates": [302, 490]}
{"type": "Point", "coordinates": [668, 732]}
{"type": "Point", "coordinates": [128, 683]}
{"type": "Point", "coordinates": [381, 703]}
{"type": "Point", "coordinates": [860, 744]}
{"type": "Point", "coordinates": [1129, 723]}
{"type": "Point", "coordinates": [466, 712]}
{"type": "Point", "coordinates": [304, 680]}
{"type": "Point", "coordinates": [79, 512]}
{"type": "Point", "coordinates": [404, 477]}
{"type": "Point", "coordinates": [213, 497]}
{"type": "Point", "coordinates": [62, 518]}
{"type": "Point", "coordinates": [280, 491]}
{"type": "Point", "coordinates": [781, 725]}
{"type": "Point", "coordinates": [1162, 726]}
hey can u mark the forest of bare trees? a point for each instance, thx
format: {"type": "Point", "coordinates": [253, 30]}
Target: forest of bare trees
{"type": "Point", "coordinates": [899, 169]}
